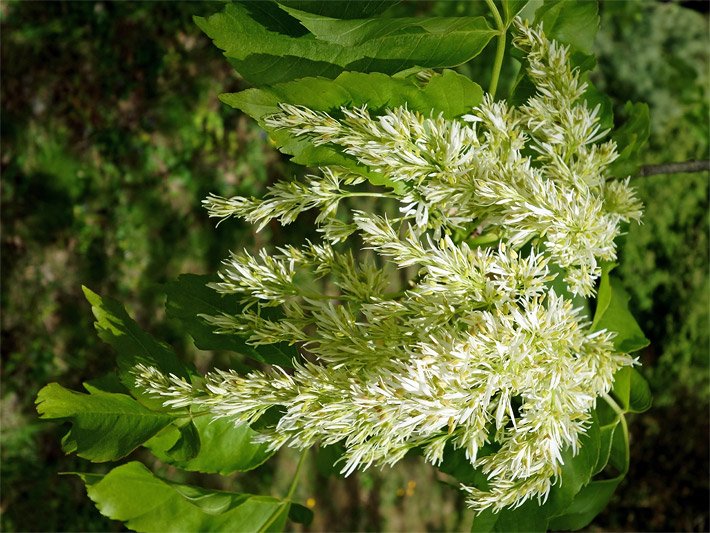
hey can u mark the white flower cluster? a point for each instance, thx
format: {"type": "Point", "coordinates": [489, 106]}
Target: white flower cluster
{"type": "Point", "coordinates": [478, 353]}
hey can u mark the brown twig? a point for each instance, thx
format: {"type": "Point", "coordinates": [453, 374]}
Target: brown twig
{"type": "Point", "coordinates": [674, 168]}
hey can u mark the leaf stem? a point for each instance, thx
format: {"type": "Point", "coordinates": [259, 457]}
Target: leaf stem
{"type": "Point", "coordinates": [622, 419]}
{"type": "Point", "coordinates": [294, 482]}
{"type": "Point", "coordinates": [500, 50]}
{"type": "Point", "coordinates": [615, 406]}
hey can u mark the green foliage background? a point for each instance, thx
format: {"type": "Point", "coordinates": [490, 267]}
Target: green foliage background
{"type": "Point", "coordinates": [111, 136]}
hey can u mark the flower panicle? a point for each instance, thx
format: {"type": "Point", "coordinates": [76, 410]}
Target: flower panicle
{"type": "Point", "coordinates": [477, 352]}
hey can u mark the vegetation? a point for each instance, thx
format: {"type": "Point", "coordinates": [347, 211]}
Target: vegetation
{"type": "Point", "coordinates": [112, 135]}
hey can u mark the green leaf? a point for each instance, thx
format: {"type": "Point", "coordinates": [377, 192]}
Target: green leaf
{"type": "Point", "coordinates": [108, 383]}
{"type": "Point", "coordinates": [342, 9]}
{"type": "Point", "coordinates": [105, 426]}
{"type": "Point", "coordinates": [189, 296]}
{"type": "Point", "coordinates": [265, 57]}
{"type": "Point", "coordinates": [577, 470]}
{"type": "Point", "coordinates": [594, 496]}
{"type": "Point", "coordinates": [613, 315]}
{"type": "Point", "coordinates": [630, 139]}
{"type": "Point", "coordinates": [528, 518]}
{"type": "Point", "coordinates": [619, 456]}
{"type": "Point", "coordinates": [224, 447]}
{"type": "Point", "coordinates": [573, 22]}
{"type": "Point", "coordinates": [457, 465]}
{"type": "Point", "coordinates": [133, 345]}
{"type": "Point", "coordinates": [588, 503]}
{"type": "Point", "coordinates": [640, 398]}
{"type": "Point", "coordinates": [594, 97]}
{"type": "Point", "coordinates": [512, 8]}
{"type": "Point", "coordinates": [622, 387]}
{"type": "Point", "coordinates": [632, 390]}
{"type": "Point", "coordinates": [186, 446]}
{"type": "Point", "coordinates": [445, 41]}
{"type": "Point", "coordinates": [603, 294]}
{"type": "Point", "coordinates": [144, 502]}
{"type": "Point", "coordinates": [523, 88]}
{"type": "Point", "coordinates": [606, 436]}
{"type": "Point", "coordinates": [484, 522]}
{"type": "Point", "coordinates": [300, 514]}
{"type": "Point", "coordinates": [449, 93]}
{"type": "Point", "coordinates": [328, 460]}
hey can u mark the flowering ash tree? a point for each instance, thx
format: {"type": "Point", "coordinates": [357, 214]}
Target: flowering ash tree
{"type": "Point", "coordinates": [444, 310]}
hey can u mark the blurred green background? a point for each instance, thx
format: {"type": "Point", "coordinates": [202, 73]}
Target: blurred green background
{"type": "Point", "coordinates": [112, 134]}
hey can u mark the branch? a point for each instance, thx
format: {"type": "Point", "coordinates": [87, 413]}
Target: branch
{"type": "Point", "coordinates": [674, 168]}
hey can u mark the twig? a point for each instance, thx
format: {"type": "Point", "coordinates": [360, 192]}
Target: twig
{"type": "Point", "coordinates": [674, 168]}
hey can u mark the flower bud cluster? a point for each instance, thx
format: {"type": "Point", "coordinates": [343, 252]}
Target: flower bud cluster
{"type": "Point", "coordinates": [477, 352]}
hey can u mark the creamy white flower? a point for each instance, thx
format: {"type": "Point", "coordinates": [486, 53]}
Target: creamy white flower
{"type": "Point", "coordinates": [477, 349]}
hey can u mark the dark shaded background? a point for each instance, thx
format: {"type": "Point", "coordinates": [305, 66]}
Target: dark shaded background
{"type": "Point", "coordinates": [111, 136]}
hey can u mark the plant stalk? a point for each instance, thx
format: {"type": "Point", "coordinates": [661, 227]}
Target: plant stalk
{"type": "Point", "coordinates": [500, 50]}
{"type": "Point", "coordinates": [294, 482]}
{"type": "Point", "coordinates": [622, 419]}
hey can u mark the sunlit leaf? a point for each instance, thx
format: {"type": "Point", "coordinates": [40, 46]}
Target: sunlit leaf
{"type": "Point", "coordinates": [266, 57]}
{"type": "Point", "coordinates": [145, 502]}
{"type": "Point", "coordinates": [224, 447]}
{"type": "Point", "coordinates": [448, 93]}
{"type": "Point", "coordinates": [462, 38]}
{"type": "Point", "coordinates": [574, 22]}
{"type": "Point", "coordinates": [105, 426]}
{"type": "Point", "coordinates": [512, 8]}
{"type": "Point", "coordinates": [133, 345]}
